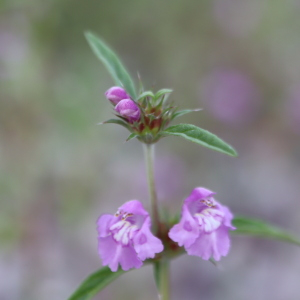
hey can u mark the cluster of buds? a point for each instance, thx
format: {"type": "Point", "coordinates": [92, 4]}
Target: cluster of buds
{"type": "Point", "coordinates": [145, 117]}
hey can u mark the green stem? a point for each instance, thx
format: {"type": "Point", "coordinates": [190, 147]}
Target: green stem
{"type": "Point", "coordinates": [161, 267]}
{"type": "Point", "coordinates": [162, 272]}
{"type": "Point", "coordinates": [149, 156]}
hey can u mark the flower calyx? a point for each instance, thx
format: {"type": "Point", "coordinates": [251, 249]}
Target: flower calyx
{"type": "Point", "coordinates": [146, 117]}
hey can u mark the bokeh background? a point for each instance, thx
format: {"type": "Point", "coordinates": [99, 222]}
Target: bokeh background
{"type": "Point", "coordinates": [239, 60]}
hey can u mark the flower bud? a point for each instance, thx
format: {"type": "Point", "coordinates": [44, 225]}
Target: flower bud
{"type": "Point", "coordinates": [115, 94]}
{"type": "Point", "coordinates": [129, 110]}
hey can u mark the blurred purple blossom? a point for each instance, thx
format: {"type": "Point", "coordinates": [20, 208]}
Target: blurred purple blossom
{"type": "Point", "coordinates": [13, 50]}
{"type": "Point", "coordinates": [204, 225]}
{"type": "Point", "coordinates": [125, 238]}
{"type": "Point", "coordinates": [231, 96]}
{"type": "Point", "coordinates": [12, 46]}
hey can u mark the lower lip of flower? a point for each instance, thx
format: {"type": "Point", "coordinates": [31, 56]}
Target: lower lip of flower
{"type": "Point", "coordinates": [123, 231]}
{"type": "Point", "coordinates": [209, 219]}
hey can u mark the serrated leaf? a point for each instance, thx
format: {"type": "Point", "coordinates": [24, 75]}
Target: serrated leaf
{"type": "Point", "coordinates": [95, 283]}
{"type": "Point", "coordinates": [145, 94]}
{"type": "Point", "coordinates": [112, 63]}
{"type": "Point", "coordinates": [259, 228]}
{"type": "Point", "coordinates": [116, 121]}
{"type": "Point", "coordinates": [162, 92]}
{"type": "Point", "coordinates": [183, 112]}
{"type": "Point", "coordinates": [131, 136]}
{"type": "Point", "coordinates": [201, 137]}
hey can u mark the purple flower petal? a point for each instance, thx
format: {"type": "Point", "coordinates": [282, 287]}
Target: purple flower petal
{"type": "Point", "coordinates": [134, 207]}
{"type": "Point", "coordinates": [215, 244]}
{"type": "Point", "coordinates": [199, 193]}
{"type": "Point", "coordinates": [109, 250]}
{"type": "Point", "coordinates": [103, 224]}
{"type": "Point", "coordinates": [129, 259]}
{"type": "Point", "coordinates": [222, 243]}
{"type": "Point", "coordinates": [146, 244]}
{"type": "Point", "coordinates": [203, 245]}
{"type": "Point", "coordinates": [186, 232]}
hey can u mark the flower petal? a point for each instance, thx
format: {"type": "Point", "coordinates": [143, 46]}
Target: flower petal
{"type": "Point", "coordinates": [134, 207]}
{"type": "Point", "coordinates": [113, 253]}
{"type": "Point", "coordinates": [199, 193]}
{"type": "Point", "coordinates": [228, 216]}
{"type": "Point", "coordinates": [222, 243]}
{"type": "Point", "coordinates": [109, 251]}
{"type": "Point", "coordinates": [129, 259]}
{"type": "Point", "coordinates": [186, 232]}
{"type": "Point", "coordinates": [216, 244]}
{"type": "Point", "coordinates": [103, 224]}
{"type": "Point", "coordinates": [145, 243]}
{"type": "Point", "coordinates": [202, 246]}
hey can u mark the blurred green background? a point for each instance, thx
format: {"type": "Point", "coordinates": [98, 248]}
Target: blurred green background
{"type": "Point", "coordinates": [239, 60]}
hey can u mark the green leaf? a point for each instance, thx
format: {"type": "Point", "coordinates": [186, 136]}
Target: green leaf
{"type": "Point", "coordinates": [112, 63]}
{"type": "Point", "coordinates": [145, 94]}
{"type": "Point", "coordinates": [116, 121]}
{"type": "Point", "coordinates": [131, 136]}
{"type": "Point", "coordinates": [259, 228]}
{"type": "Point", "coordinates": [95, 283]}
{"type": "Point", "coordinates": [183, 112]}
{"type": "Point", "coordinates": [162, 92]}
{"type": "Point", "coordinates": [201, 137]}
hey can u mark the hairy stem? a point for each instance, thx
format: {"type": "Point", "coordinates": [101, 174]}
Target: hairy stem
{"type": "Point", "coordinates": [149, 156]}
{"type": "Point", "coordinates": [161, 267]}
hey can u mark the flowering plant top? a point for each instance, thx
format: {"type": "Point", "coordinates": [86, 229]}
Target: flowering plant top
{"type": "Point", "coordinates": [130, 237]}
{"type": "Point", "coordinates": [147, 117]}
{"type": "Point", "coordinates": [146, 114]}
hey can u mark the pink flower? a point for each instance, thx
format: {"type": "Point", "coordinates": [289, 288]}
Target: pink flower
{"type": "Point", "coordinates": [125, 238]}
{"type": "Point", "coordinates": [128, 109]}
{"type": "Point", "coordinates": [204, 225]}
{"type": "Point", "coordinates": [115, 94]}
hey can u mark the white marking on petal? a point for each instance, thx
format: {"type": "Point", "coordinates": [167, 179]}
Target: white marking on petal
{"type": "Point", "coordinates": [124, 231]}
{"type": "Point", "coordinates": [209, 219]}
{"type": "Point", "coordinates": [117, 225]}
